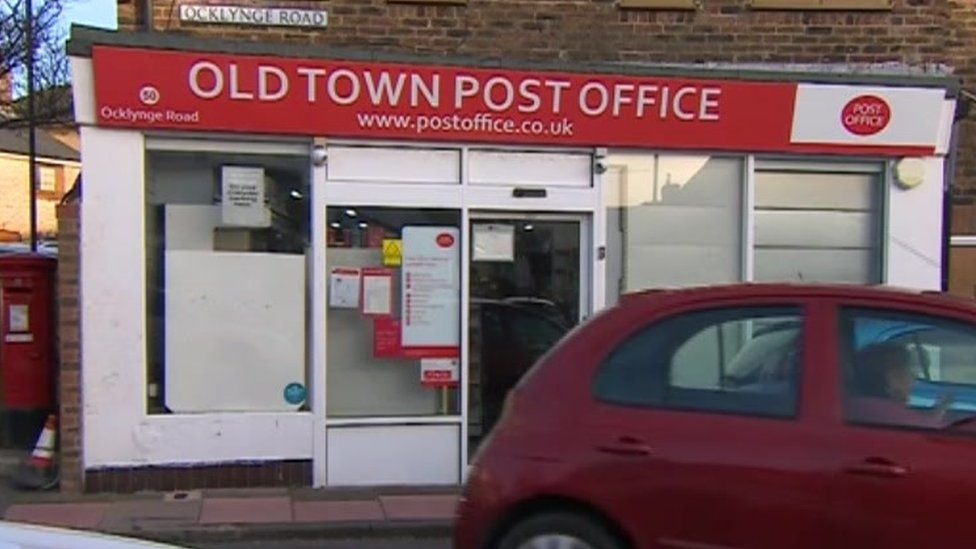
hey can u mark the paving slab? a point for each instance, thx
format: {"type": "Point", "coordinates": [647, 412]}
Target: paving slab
{"type": "Point", "coordinates": [251, 510]}
{"type": "Point", "coordinates": [68, 515]}
{"type": "Point", "coordinates": [125, 516]}
{"type": "Point", "coordinates": [338, 511]}
{"type": "Point", "coordinates": [422, 507]}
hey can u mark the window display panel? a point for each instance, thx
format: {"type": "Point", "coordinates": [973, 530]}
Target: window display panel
{"type": "Point", "coordinates": [226, 243]}
{"type": "Point", "coordinates": [673, 220]}
{"type": "Point", "coordinates": [817, 226]}
{"type": "Point", "coordinates": [394, 312]}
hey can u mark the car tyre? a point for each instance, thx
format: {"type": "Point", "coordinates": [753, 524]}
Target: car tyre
{"type": "Point", "coordinates": [559, 529]}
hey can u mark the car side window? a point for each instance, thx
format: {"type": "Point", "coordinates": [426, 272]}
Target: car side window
{"type": "Point", "coordinates": [908, 370]}
{"type": "Point", "coordinates": [737, 360]}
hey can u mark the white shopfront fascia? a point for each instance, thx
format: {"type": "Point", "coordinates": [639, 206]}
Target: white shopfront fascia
{"type": "Point", "coordinates": [118, 431]}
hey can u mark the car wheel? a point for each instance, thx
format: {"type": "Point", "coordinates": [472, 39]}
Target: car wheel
{"type": "Point", "coordinates": [559, 531]}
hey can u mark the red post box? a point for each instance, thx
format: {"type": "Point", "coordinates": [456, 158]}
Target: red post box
{"type": "Point", "coordinates": [27, 336]}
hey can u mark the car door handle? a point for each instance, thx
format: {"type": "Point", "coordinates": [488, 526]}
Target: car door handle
{"type": "Point", "coordinates": [625, 446]}
{"type": "Point", "coordinates": [877, 467]}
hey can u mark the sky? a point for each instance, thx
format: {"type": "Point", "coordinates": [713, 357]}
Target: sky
{"type": "Point", "coordinates": [97, 13]}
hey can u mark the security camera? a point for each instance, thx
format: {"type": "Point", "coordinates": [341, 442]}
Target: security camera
{"type": "Point", "coordinates": [599, 167]}
{"type": "Point", "coordinates": [319, 155]}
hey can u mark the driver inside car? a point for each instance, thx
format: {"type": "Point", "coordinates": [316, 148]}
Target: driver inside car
{"type": "Point", "coordinates": [883, 380]}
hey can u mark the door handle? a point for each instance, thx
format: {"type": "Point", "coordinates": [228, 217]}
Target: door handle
{"type": "Point", "coordinates": [625, 446]}
{"type": "Point", "coordinates": [877, 467]}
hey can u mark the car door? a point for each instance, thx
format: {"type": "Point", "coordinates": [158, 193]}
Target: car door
{"type": "Point", "coordinates": [906, 472]}
{"type": "Point", "coordinates": [699, 448]}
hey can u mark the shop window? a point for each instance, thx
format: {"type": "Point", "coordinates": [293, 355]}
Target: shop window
{"type": "Point", "coordinates": [227, 236]}
{"type": "Point", "coordinates": [817, 226]}
{"type": "Point", "coordinates": [673, 220]}
{"type": "Point", "coordinates": [394, 312]}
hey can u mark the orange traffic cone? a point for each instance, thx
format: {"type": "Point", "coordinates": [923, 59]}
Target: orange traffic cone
{"type": "Point", "coordinates": [42, 458]}
{"type": "Point", "coordinates": [40, 472]}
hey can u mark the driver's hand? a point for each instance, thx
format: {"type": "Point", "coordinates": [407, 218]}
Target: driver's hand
{"type": "Point", "coordinates": [942, 405]}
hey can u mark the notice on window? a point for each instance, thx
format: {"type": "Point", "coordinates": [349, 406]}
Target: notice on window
{"type": "Point", "coordinates": [344, 288]}
{"type": "Point", "coordinates": [392, 256]}
{"type": "Point", "coordinates": [19, 317]}
{"type": "Point", "coordinates": [493, 242]}
{"type": "Point", "coordinates": [242, 197]}
{"type": "Point", "coordinates": [439, 372]}
{"type": "Point", "coordinates": [386, 337]}
{"type": "Point", "coordinates": [377, 291]}
{"type": "Point", "coordinates": [431, 290]}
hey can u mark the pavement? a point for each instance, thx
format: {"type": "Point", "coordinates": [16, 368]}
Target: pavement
{"type": "Point", "coordinates": [227, 515]}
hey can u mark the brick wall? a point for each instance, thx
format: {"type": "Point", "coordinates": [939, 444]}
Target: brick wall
{"type": "Point", "coordinates": [6, 90]}
{"type": "Point", "coordinates": [69, 348]}
{"type": "Point", "coordinates": [962, 50]}
{"type": "Point", "coordinates": [914, 31]}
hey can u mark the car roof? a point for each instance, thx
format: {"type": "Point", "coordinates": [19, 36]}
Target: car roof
{"type": "Point", "coordinates": [880, 293]}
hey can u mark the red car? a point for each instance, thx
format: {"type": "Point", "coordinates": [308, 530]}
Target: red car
{"type": "Point", "coordinates": [761, 416]}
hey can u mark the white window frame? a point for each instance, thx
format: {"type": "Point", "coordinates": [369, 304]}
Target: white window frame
{"type": "Point", "coordinates": [472, 201]}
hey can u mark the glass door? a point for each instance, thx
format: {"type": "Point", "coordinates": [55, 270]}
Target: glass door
{"type": "Point", "coordinates": [529, 285]}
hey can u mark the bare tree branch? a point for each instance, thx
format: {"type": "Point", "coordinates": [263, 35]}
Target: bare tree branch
{"type": "Point", "coordinates": [52, 98]}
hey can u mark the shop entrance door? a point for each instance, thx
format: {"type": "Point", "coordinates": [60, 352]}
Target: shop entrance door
{"type": "Point", "coordinates": [529, 280]}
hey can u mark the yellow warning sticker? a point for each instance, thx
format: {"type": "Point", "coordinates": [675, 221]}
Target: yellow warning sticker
{"type": "Point", "coordinates": [392, 252]}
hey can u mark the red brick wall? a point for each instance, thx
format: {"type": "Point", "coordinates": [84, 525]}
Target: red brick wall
{"type": "Point", "coordinates": [69, 348]}
{"type": "Point", "coordinates": [914, 31]}
{"type": "Point", "coordinates": [6, 90]}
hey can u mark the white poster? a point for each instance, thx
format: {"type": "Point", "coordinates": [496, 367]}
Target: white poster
{"type": "Point", "coordinates": [431, 288]}
{"type": "Point", "coordinates": [493, 242]}
{"type": "Point", "coordinates": [344, 288]}
{"type": "Point", "coordinates": [242, 197]}
{"type": "Point", "coordinates": [19, 319]}
{"type": "Point", "coordinates": [377, 291]}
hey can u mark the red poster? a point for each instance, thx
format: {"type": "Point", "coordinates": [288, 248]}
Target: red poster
{"type": "Point", "coordinates": [242, 93]}
{"type": "Point", "coordinates": [386, 337]}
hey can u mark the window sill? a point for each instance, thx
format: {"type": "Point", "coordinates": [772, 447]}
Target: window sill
{"type": "Point", "coordinates": [657, 4]}
{"type": "Point", "coordinates": [821, 5]}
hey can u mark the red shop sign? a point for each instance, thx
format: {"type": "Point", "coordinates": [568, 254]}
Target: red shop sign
{"type": "Point", "coordinates": [141, 88]}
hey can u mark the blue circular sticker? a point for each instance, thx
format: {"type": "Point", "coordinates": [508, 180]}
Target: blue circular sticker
{"type": "Point", "coordinates": [295, 393]}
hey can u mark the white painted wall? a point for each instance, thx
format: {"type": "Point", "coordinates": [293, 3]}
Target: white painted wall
{"type": "Point", "coordinates": [112, 295]}
{"type": "Point", "coordinates": [914, 236]}
{"type": "Point", "coordinates": [83, 89]}
{"type": "Point", "coordinates": [117, 430]}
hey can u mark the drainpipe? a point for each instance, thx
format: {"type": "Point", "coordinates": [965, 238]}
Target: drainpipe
{"type": "Point", "coordinates": [147, 15]}
{"type": "Point", "coordinates": [963, 104]}
{"type": "Point", "coordinates": [32, 124]}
